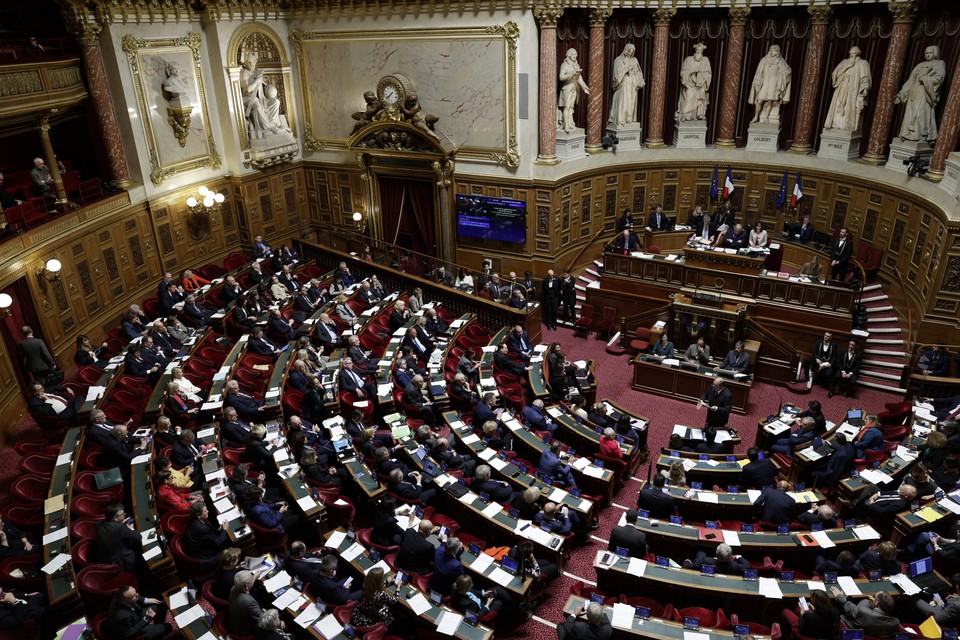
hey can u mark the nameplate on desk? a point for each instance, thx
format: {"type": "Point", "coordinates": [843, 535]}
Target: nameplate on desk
{"type": "Point", "coordinates": [53, 504]}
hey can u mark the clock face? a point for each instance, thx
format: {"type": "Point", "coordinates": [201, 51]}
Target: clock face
{"type": "Point", "coordinates": [390, 94]}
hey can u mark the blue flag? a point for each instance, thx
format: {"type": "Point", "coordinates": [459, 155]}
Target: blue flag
{"type": "Point", "coordinates": [782, 196]}
{"type": "Point", "coordinates": [714, 188]}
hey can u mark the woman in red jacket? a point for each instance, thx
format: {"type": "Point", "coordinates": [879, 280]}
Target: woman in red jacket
{"type": "Point", "coordinates": [609, 445]}
{"type": "Point", "coordinates": [169, 497]}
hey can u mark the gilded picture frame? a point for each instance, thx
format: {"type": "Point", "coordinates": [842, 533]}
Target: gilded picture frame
{"type": "Point", "coordinates": [170, 151]}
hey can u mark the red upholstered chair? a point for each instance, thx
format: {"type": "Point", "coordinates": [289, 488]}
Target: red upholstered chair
{"type": "Point", "coordinates": [38, 465]}
{"type": "Point", "coordinates": [40, 447]}
{"type": "Point", "coordinates": [24, 517]}
{"type": "Point", "coordinates": [84, 482]}
{"type": "Point", "coordinates": [267, 539]}
{"type": "Point", "coordinates": [31, 489]}
{"type": "Point", "coordinates": [89, 375]}
{"type": "Point", "coordinates": [344, 611]}
{"type": "Point", "coordinates": [641, 340]}
{"type": "Point", "coordinates": [340, 510]}
{"type": "Point", "coordinates": [584, 590]}
{"type": "Point", "coordinates": [98, 585]}
{"type": "Point", "coordinates": [758, 629]}
{"type": "Point", "coordinates": [363, 535]}
{"type": "Point", "coordinates": [235, 260]}
{"type": "Point", "coordinates": [714, 619]}
{"type": "Point", "coordinates": [90, 505]}
{"type": "Point", "coordinates": [654, 249]}
{"type": "Point", "coordinates": [583, 324]}
{"type": "Point", "coordinates": [24, 583]}
{"type": "Point", "coordinates": [218, 603]}
{"type": "Point", "coordinates": [84, 554]}
{"type": "Point", "coordinates": [83, 528]}
{"type": "Point", "coordinates": [174, 523]}
{"type": "Point", "coordinates": [187, 564]}
{"type": "Point", "coordinates": [606, 323]}
{"type": "Point", "coordinates": [349, 400]}
{"type": "Point", "coordinates": [657, 610]}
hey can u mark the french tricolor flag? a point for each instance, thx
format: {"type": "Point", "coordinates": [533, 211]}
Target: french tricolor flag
{"type": "Point", "coordinates": [797, 191]}
{"type": "Point", "coordinates": [728, 184]}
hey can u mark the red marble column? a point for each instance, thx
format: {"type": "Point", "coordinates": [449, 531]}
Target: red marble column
{"type": "Point", "coordinates": [949, 131]}
{"type": "Point", "coordinates": [803, 126]}
{"type": "Point", "coordinates": [548, 17]}
{"type": "Point", "coordinates": [658, 76]}
{"type": "Point", "coordinates": [730, 94]}
{"type": "Point", "coordinates": [88, 37]}
{"type": "Point", "coordinates": [598, 18]}
{"type": "Point", "coordinates": [903, 15]}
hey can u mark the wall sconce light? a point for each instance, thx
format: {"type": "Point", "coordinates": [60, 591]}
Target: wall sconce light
{"type": "Point", "coordinates": [209, 202]}
{"type": "Point", "coordinates": [360, 221]}
{"type": "Point", "coordinates": [50, 271]}
{"type": "Point", "coordinates": [5, 303]}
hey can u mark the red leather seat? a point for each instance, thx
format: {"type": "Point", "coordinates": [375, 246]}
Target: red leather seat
{"type": "Point", "coordinates": [37, 465]}
{"type": "Point", "coordinates": [715, 619]}
{"type": "Point", "coordinates": [267, 539]}
{"type": "Point", "coordinates": [364, 536]}
{"type": "Point", "coordinates": [98, 585]}
{"type": "Point", "coordinates": [174, 523]}
{"type": "Point", "coordinates": [84, 482]}
{"type": "Point", "coordinates": [27, 518]}
{"type": "Point", "coordinates": [90, 505]}
{"type": "Point", "coordinates": [32, 488]}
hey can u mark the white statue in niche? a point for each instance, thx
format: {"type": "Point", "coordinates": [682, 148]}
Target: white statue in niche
{"type": "Point", "coordinates": [921, 93]}
{"type": "Point", "coordinates": [771, 86]}
{"type": "Point", "coordinates": [627, 81]}
{"type": "Point", "coordinates": [261, 107]}
{"type": "Point", "coordinates": [695, 75]}
{"type": "Point", "coordinates": [175, 85]}
{"type": "Point", "coordinates": [851, 86]}
{"type": "Point", "coordinates": [571, 78]}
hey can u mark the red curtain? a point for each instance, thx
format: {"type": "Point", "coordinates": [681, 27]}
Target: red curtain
{"type": "Point", "coordinates": [391, 204]}
{"type": "Point", "coordinates": [420, 195]}
{"type": "Point", "coordinates": [22, 312]}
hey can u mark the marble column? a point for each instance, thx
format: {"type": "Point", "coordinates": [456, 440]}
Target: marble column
{"type": "Point", "coordinates": [50, 157]}
{"type": "Point", "coordinates": [548, 17]}
{"type": "Point", "coordinates": [809, 86]}
{"type": "Point", "coordinates": [88, 36]}
{"type": "Point", "coordinates": [949, 131]}
{"type": "Point", "coordinates": [598, 18]}
{"type": "Point", "coordinates": [730, 94]}
{"type": "Point", "coordinates": [903, 15]}
{"type": "Point", "coordinates": [658, 76]}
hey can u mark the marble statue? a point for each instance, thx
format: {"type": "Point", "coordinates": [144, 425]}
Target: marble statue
{"type": "Point", "coordinates": [851, 86]}
{"type": "Point", "coordinates": [261, 111]}
{"type": "Point", "coordinates": [175, 85]}
{"type": "Point", "coordinates": [771, 86]}
{"type": "Point", "coordinates": [695, 74]}
{"type": "Point", "coordinates": [627, 81]}
{"type": "Point", "coordinates": [920, 93]}
{"type": "Point", "coordinates": [572, 82]}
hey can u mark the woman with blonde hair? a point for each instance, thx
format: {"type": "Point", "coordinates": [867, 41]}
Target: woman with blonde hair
{"type": "Point", "coordinates": [376, 605]}
{"type": "Point", "coordinates": [343, 310]}
{"type": "Point", "coordinates": [277, 291]}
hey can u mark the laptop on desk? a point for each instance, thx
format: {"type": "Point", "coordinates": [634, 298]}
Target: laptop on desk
{"type": "Point", "coordinates": [855, 417]}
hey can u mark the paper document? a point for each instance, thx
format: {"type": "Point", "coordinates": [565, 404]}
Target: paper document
{"type": "Point", "coordinates": [866, 532]}
{"type": "Point", "coordinates": [53, 536]}
{"type": "Point", "coordinates": [637, 567]}
{"type": "Point", "coordinates": [277, 582]}
{"type": "Point", "coordinates": [335, 540]}
{"type": "Point", "coordinates": [823, 539]}
{"type": "Point", "coordinates": [848, 586]}
{"type": "Point", "coordinates": [285, 600]}
{"type": "Point", "coordinates": [482, 562]}
{"type": "Point", "coordinates": [448, 622]}
{"type": "Point", "coordinates": [179, 600]}
{"type": "Point", "coordinates": [623, 616]}
{"type": "Point", "coordinates": [908, 586]}
{"type": "Point", "coordinates": [310, 615]}
{"type": "Point", "coordinates": [732, 538]}
{"type": "Point", "coordinates": [500, 576]}
{"type": "Point", "coordinates": [352, 552]}
{"type": "Point", "coordinates": [708, 496]}
{"type": "Point", "coordinates": [769, 588]}
{"type": "Point", "coordinates": [54, 565]}
{"type": "Point", "coordinates": [816, 585]}
{"type": "Point", "coordinates": [193, 613]}
{"type": "Point", "coordinates": [419, 604]}
{"type": "Point", "coordinates": [328, 627]}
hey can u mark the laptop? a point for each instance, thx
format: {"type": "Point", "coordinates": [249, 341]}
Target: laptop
{"type": "Point", "coordinates": [855, 417]}
{"type": "Point", "coordinates": [421, 452]}
{"type": "Point", "coordinates": [642, 612]}
{"type": "Point", "coordinates": [475, 549]}
{"type": "Point", "coordinates": [741, 631]}
{"type": "Point", "coordinates": [509, 565]}
{"type": "Point", "coordinates": [430, 468]}
{"type": "Point", "coordinates": [691, 623]}
{"type": "Point", "coordinates": [821, 447]}
{"type": "Point", "coordinates": [471, 618]}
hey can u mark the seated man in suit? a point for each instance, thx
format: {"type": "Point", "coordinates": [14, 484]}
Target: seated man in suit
{"type": "Point", "coordinates": [839, 464]}
{"type": "Point", "coordinates": [132, 615]}
{"type": "Point", "coordinates": [418, 548]}
{"type": "Point", "coordinates": [362, 362]}
{"type": "Point", "coordinates": [413, 396]}
{"type": "Point", "coordinates": [302, 564]}
{"type": "Point", "coordinates": [802, 231]}
{"type": "Point", "coordinates": [724, 561]}
{"type": "Point", "coordinates": [188, 450]}
{"type": "Point", "coordinates": [757, 473]}
{"type": "Point", "coordinates": [435, 326]}
{"type": "Point", "coordinates": [710, 446]}
{"type": "Point", "coordinates": [281, 326]}
{"type": "Point", "coordinates": [518, 341]}
{"type": "Point", "coordinates": [230, 290]}
{"type": "Point", "coordinates": [626, 243]}
{"type": "Point", "coordinates": [117, 541]}
{"type": "Point", "coordinates": [420, 347]}
{"type": "Point", "coordinates": [873, 614]}
{"type": "Point", "coordinates": [351, 381]}
{"type": "Point", "coordinates": [775, 505]}
{"type": "Point", "coordinates": [62, 403]}
{"type": "Point", "coordinates": [735, 238]}
{"type": "Point", "coordinates": [257, 275]}
{"type": "Point", "coordinates": [399, 315]}
{"type": "Point", "coordinates": [498, 490]}
{"type": "Point", "coordinates": [484, 411]}
{"type": "Point", "coordinates": [848, 366]}
{"type": "Point", "coordinates": [135, 365]}
{"type": "Point", "coordinates": [99, 430]}
{"type": "Point", "coordinates": [261, 345]}
{"type": "Point", "coordinates": [327, 333]}
{"type": "Point", "coordinates": [736, 360]}
{"type": "Point", "coordinates": [822, 514]}
{"type": "Point", "coordinates": [367, 295]}
{"type": "Point", "coordinates": [655, 500]}
{"type": "Point", "coordinates": [553, 465]}
{"type": "Point", "coordinates": [536, 418]}
{"type": "Point", "coordinates": [503, 362]}
{"type": "Point", "coordinates": [562, 521]}
{"type": "Point", "coordinates": [248, 407]}
{"type": "Point", "coordinates": [588, 623]}
{"type": "Point", "coordinates": [874, 503]}
{"type": "Point", "coordinates": [698, 352]}
{"type": "Point", "coordinates": [629, 537]}
{"type": "Point", "coordinates": [119, 450]}
{"type": "Point", "coordinates": [658, 219]}
{"type": "Point", "coordinates": [799, 437]}
{"type": "Point", "coordinates": [195, 311]}
{"type": "Point", "coordinates": [934, 361]}
{"type": "Point", "coordinates": [409, 489]}
{"type": "Point", "coordinates": [260, 248]}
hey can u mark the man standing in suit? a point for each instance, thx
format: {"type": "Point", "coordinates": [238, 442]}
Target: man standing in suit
{"type": "Point", "coordinates": [36, 356]}
{"type": "Point", "coordinates": [736, 360]}
{"type": "Point", "coordinates": [840, 255]}
{"type": "Point", "coordinates": [655, 501]}
{"type": "Point", "coordinates": [658, 220]}
{"type": "Point", "coordinates": [848, 366]}
{"type": "Point", "coordinates": [757, 473]}
{"type": "Point", "coordinates": [821, 359]}
{"type": "Point", "coordinates": [132, 615]}
{"type": "Point", "coordinates": [418, 548]}
{"type": "Point", "coordinates": [243, 611]}
{"type": "Point", "coordinates": [588, 623]}
{"type": "Point", "coordinates": [718, 400]}
{"type": "Point", "coordinates": [775, 505]}
{"type": "Point", "coordinates": [550, 297]}
{"type": "Point", "coordinates": [629, 537]}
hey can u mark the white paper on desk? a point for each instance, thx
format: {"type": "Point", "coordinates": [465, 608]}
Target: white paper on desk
{"type": "Point", "coordinates": [816, 585]}
{"type": "Point", "coordinates": [593, 472]}
{"type": "Point", "coordinates": [848, 586]}
{"type": "Point", "coordinates": [277, 582]}
{"type": "Point", "coordinates": [352, 552]}
{"type": "Point", "coordinates": [206, 433]}
{"type": "Point", "coordinates": [286, 599]}
{"type": "Point", "coordinates": [418, 603]}
{"type": "Point", "coordinates": [148, 536]}
{"type": "Point", "coordinates": [500, 576]}
{"type": "Point", "coordinates": [210, 406]}
{"type": "Point", "coordinates": [152, 552]}
{"type": "Point", "coordinates": [776, 427]}
{"type": "Point", "coordinates": [537, 535]}
{"type": "Point", "coordinates": [623, 616]}
{"type": "Point", "coordinates": [908, 586]}
{"type": "Point", "coordinates": [866, 532]}
{"type": "Point", "coordinates": [692, 635]}
{"type": "Point", "coordinates": [307, 502]}
{"type": "Point", "coordinates": [335, 540]}
{"type": "Point", "coordinates": [492, 509]}
{"type": "Point", "coordinates": [708, 496]}
{"type": "Point", "coordinates": [497, 463]}
{"type": "Point", "coordinates": [227, 516]}
{"type": "Point", "coordinates": [753, 494]}
{"type": "Point", "coordinates": [711, 462]}
{"type": "Point", "coordinates": [141, 459]}
{"type": "Point", "coordinates": [193, 613]}
{"type": "Point", "coordinates": [950, 505]}
{"type": "Point", "coordinates": [688, 464]}
{"type": "Point", "coordinates": [486, 454]}
{"type": "Point", "coordinates": [382, 565]}
{"type": "Point", "coordinates": [554, 411]}
{"type": "Point", "coordinates": [470, 439]}
{"type": "Point", "coordinates": [66, 458]}
{"type": "Point", "coordinates": [222, 506]}
{"type": "Point", "coordinates": [53, 536]}
{"type": "Point", "coordinates": [637, 567]}
{"type": "Point", "coordinates": [467, 498]}
{"type": "Point", "coordinates": [580, 463]}
{"type": "Point", "coordinates": [732, 538]}
{"type": "Point", "coordinates": [906, 453]}
{"type": "Point", "coordinates": [875, 476]}
{"type": "Point", "coordinates": [723, 436]}
{"type": "Point", "coordinates": [310, 615]}
{"type": "Point", "coordinates": [770, 589]}
{"type": "Point", "coordinates": [54, 565]}
{"type": "Point", "coordinates": [179, 599]}
{"type": "Point", "coordinates": [328, 627]}
{"type": "Point", "coordinates": [557, 495]}
{"type": "Point", "coordinates": [822, 538]}
{"type": "Point", "coordinates": [482, 562]}
{"type": "Point", "coordinates": [448, 622]}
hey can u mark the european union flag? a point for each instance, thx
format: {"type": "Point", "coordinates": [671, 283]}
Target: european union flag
{"type": "Point", "coordinates": [782, 196]}
{"type": "Point", "coordinates": [714, 187]}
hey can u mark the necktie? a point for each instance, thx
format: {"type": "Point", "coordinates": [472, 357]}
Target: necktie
{"type": "Point", "coordinates": [356, 379]}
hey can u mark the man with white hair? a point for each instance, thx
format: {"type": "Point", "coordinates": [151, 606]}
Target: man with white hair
{"type": "Point", "coordinates": [588, 623]}
{"type": "Point", "coordinates": [537, 419]}
{"type": "Point", "coordinates": [723, 562]}
{"type": "Point", "coordinates": [244, 611]}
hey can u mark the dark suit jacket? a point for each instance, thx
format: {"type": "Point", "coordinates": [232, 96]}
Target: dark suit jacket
{"type": "Point", "coordinates": [422, 354]}
{"type": "Point", "coordinates": [758, 474]}
{"type": "Point", "coordinates": [736, 361]}
{"type": "Point", "coordinates": [660, 505]}
{"type": "Point", "coordinates": [630, 538]}
{"type": "Point", "coordinates": [243, 613]}
{"type": "Point", "coordinates": [125, 623]}
{"type": "Point", "coordinates": [181, 455]}
{"type": "Point", "coordinates": [330, 590]}
{"type": "Point", "coordinates": [246, 406]}
{"type": "Point", "coordinates": [505, 363]}
{"type": "Point", "coordinates": [775, 506]}
{"type": "Point", "coordinates": [308, 572]}
{"type": "Point", "coordinates": [413, 396]}
{"type": "Point", "coordinates": [118, 544]}
{"type": "Point", "coordinates": [36, 355]}
{"type": "Point", "coordinates": [416, 553]}
{"type": "Point", "coordinates": [574, 628]}
{"type": "Point", "coordinates": [348, 383]}
{"type": "Point", "coordinates": [261, 347]}
{"type": "Point", "coordinates": [658, 221]}
{"type": "Point", "coordinates": [496, 489]}
{"type": "Point", "coordinates": [723, 400]}
{"type": "Point", "coordinates": [482, 413]}
{"type": "Point", "coordinates": [206, 541]}
{"type": "Point", "coordinates": [116, 453]}
{"type": "Point", "coordinates": [233, 431]}
{"type": "Point", "coordinates": [842, 254]}
{"type": "Point", "coordinates": [519, 344]}
{"type": "Point", "coordinates": [848, 364]}
{"type": "Point", "coordinates": [281, 327]}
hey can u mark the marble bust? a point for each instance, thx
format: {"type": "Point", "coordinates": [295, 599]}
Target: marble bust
{"type": "Point", "coordinates": [920, 94]}
{"type": "Point", "coordinates": [627, 81]}
{"type": "Point", "coordinates": [771, 87]}
{"type": "Point", "coordinates": [851, 86]}
{"type": "Point", "coordinates": [571, 79]}
{"type": "Point", "coordinates": [175, 85]}
{"type": "Point", "coordinates": [695, 75]}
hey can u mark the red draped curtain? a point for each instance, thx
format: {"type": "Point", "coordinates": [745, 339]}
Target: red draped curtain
{"type": "Point", "coordinates": [391, 205]}
{"type": "Point", "coordinates": [420, 194]}
{"type": "Point", "coordinates": [22, 312]}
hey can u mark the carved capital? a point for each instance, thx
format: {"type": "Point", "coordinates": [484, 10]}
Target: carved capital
{"type": "Point", "coordinates": [598, 17]}
{"type": "Point", "coordinates": [820, 14]}
{"type": "Point", "coordinates": [662, 16]}
{"type": "Point", "coordinates": [903, 11]}
{"type": "Point", "coordinates": [547, 17]}
{"type": "Point", "coordinates": [87, 33]}
{"type": "Point", "coordinates": [444, 172]}
{"type": "Point", "coordinates": [739, 15]}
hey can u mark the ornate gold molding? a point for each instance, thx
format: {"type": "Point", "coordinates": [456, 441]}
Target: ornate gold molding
{"type": "Point", "coordinates": [903, 11]}
{"type": "Point", "coordinates": [598, 17]}
{"type": "Point", "coordinates": [547, 17]}
{"type": "Point", "coordinates": [739, 16]}
{"type": "Point", "coordinates": [820, 14]}
{"type": "Point", "coordinates": [444, 171]}
{"type": "Point", "coordinates": [663, 15]}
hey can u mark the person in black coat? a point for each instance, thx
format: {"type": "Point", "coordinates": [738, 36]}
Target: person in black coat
{"type": "Point", "coordinates": [589, 623]}
{"type": "Point", "coordinates": [187, 451]}
{"type": "Point", "coordinates": [821, 619]}
{"type": "Point", "coordinates": [652, 499]}
{"type": "Point", "coordinates": [848, 367]}
{"type": "Point", "coordinates": [503, 362]}
{"type": "Point", "coordinates": [550, 294]}
{"type": "Point", "coordinates": [132, 615]}
{"type": "Point", "coordinates": [256, 452]}
{"type": "Point", "coordinates": [527, 504]}
{"type": "Point", "coordinates": [302, 564]}
{"type": "Point", "coordinates": [723, 562]}
{"type": "Point", "coordinates": [234, 430]}
{"type": "Point", "coordinates": [386, 530]}
{"type": "Point", "coordinates": [60, 402]}
{"type": "Point", "coordinates": [205, 541]}
{"type": "Point", "coordinates": [314, 403]}
{"type": "Point", "coordinates": [328, 588]}
{"type": "Point", "coordinates": [498, 490]}
{"type": "Point", "coordinates": [757, 473]}
{"type": "Point", "coordinates": [840, 255]}
{"type": "Point", "coordinates": [839, 464]}
{"type": "Point", "coordinates": [16, 608]}
{"type": "Point", "coordinates": [248, 407]}
{"type": "Point", "coordinates": [351, 381]}
{"type": "Point", "coordinates": [417, 548]}
{"type": "Point", "coordinates": [719, 401]}
{"type": "Point", "coordinates": [710, 445]}
{"type": "Point", "coordinates": [120, 450]}
{"type": "Point", "coordinates": [629, 537]}
{"type": "Point", "coordinates": [14, 542]}
{"type": "Point", "coordinates": [775, 505]}
{"type": "Point", "coordinates": [467, 599]}
{"type": "Point", "coordinates": [883, 557]}
{"type": "Point", "coordinates": [260, 345]}
{"type": "Point", "coordinates": [410, 489]}
{"type": "Point", "coordinates": [117, 542]}
{"type": "Point", "coordinates": [100, 428]}
{"type": "Point", "coordinates": [822, 360]}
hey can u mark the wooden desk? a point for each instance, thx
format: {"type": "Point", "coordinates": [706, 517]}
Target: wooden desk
{"type": "Point", "coordinates": [683, 384]}
{"type": "Point", "coordinates": [908, 523]}
{"type": "Point", "coordinates": [668, 241]}
{"type": "Point", "coordinates": [61, 586]}
{"type": "Point", "coordinates": [728, 506]}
